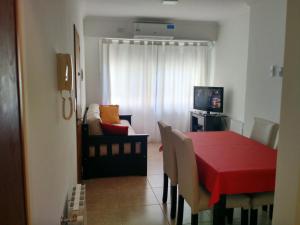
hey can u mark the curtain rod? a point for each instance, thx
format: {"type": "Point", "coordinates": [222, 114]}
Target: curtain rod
{"type": "Point", "coordinates": [159, 41]}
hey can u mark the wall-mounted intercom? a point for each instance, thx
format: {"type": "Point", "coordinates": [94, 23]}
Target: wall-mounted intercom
{"type": "Point", "coordinates": [65, 80]}
{"type": "Point", "coordinates": [276, 71]}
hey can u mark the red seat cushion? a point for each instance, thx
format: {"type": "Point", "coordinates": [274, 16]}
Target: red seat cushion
{"type": "Point", "coordinates": [110, 129]}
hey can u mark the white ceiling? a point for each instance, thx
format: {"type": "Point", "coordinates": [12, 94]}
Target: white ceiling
{"type": "Point", "coordinates": [213, 10]}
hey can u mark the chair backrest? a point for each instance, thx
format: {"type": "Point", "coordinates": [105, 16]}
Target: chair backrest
{"type": "Point", "coordinates": [236, 126]}
{"type": "Point", "coordinates": [169, 156]}
{"type": "Point", "coordinates": [276, 142]}
{"type": "Point", "coordinates": [188, 180]}
{"type": "Point", "coordinates": [264, 131]}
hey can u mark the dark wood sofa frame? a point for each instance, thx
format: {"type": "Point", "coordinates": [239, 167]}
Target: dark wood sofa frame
{"type": "Point", "coordinates": [109, 165]}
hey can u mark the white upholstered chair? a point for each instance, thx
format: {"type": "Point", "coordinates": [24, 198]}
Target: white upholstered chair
{"type": "Point", "coordinates": [276, 142]}
{"type": "Point", "coordinates": [236, 126]}
{"type": "Point", "coordinates": [169, 166]}
{"type": "Point", "coordinates": [267, 133]}
{"type": "Point", "coordinates": [264, 131]}
{"type": "Point", "coordinates": [188, 183]}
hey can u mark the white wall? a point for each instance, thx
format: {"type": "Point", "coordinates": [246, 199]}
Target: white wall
{"type": "Point", "coordinates": [47, 29]}
{"type": "Point", "coordinates": [93, 79]}
{"type": "Point", "coordinates": [231, 56]}
{"type": "Point", "coordinates": [287, 195]}
{"type": "Point", "coordinates": [97, 27]}
{"type": "Point", "coordinates": [266, 48]}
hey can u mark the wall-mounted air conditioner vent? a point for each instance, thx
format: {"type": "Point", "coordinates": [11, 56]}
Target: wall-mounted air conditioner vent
{"type": "Point", "coordinates": [154, 31]}
{"type": "Point", "coordinates": [170, 2]}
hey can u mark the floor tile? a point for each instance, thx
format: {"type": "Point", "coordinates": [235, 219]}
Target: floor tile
{"type": "Point", "coordinates": [102, 202]}
{"type": "Point", "coordinates": [128, 183]}
{"type": "Point", "coordinates": [155, 170]}
{"type": "Point", "coordinates": [144, 215]}
{"type": "Point", "coordinates": [137, 197]}
{"type": "Point", "coordinates": [99, 218]}
{"type": "Point", "coordinates": [101, 185]}
{"type": "Point", "coordinates": [158, 191]}
{"type": "Point", "coordinates": [155, 180]}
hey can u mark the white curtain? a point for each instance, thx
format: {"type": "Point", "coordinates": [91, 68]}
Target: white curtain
{"type": "Point", "coordinates": [153, 82]}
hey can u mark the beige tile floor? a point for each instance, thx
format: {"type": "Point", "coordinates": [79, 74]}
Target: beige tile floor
{"type": "Point", "coordinates": [137, 200]}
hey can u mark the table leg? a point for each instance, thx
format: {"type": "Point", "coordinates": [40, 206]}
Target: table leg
{"type": "Point", "coordinates": [220, 211]}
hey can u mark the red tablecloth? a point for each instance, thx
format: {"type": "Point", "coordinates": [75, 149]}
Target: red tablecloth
{"type": "Point", "coordinates": [229, 163]}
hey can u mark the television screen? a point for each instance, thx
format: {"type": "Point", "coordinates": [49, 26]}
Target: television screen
{"type": "Point", "coordinates": [208, 99]}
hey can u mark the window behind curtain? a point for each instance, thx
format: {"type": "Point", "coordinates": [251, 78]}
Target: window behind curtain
{"type": "Point", "coordinates": [154, 82]}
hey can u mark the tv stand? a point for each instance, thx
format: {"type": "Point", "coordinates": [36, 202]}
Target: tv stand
{"type": "Point", "coordinates": [200, 121]}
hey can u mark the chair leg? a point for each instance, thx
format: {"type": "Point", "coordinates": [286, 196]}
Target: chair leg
{"type": "Point", "coordinates": [173, 201]}
{"type": "Point", "coordinates": [253, 217]}
{"type": "Point", "coordinates": [244, 216]}
{"type": "Point", "coordinates": [265, 208]}
{"type": "Point", "coordinates": [194, 219]}
{"type": "Point", "coordinates": [229, 214]}
{"type": "Point", "coordinates": [271, 212]}
{"type": "Point", "coordinates": [180, 210]}
{"type": "Point", "coordinates": [165, 191]}
{"type": "Point", "coordinates": [219, 211]}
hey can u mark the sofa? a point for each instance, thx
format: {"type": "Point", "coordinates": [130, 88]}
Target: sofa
{"type": "Point", "coordinates": [105, 155]}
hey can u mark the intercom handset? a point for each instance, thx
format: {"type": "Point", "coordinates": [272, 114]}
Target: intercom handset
{"type": "Point", "coordinates": [65, 80]}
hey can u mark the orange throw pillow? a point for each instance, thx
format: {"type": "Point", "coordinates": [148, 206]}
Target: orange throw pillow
{"type": "Point", "coordinates": [109, 114]}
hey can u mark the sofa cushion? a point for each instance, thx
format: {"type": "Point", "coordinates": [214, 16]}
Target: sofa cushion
{"type": "Point", "coordinates": [94, 119]}
{"type": "Point", "coordinates": [109, 114]}
{"type": "Point", "coordinates": [110, 129]}
{"type": "Point", "coordinates": [94, 108]}
{"type": "Point", "coordinates": [126, 123]}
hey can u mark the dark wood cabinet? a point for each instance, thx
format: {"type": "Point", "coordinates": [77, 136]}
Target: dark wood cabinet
{"type": "Point", "coordinates": [207, 122]}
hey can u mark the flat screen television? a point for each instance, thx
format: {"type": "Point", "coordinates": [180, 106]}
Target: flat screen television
{"type": "Point", "coordinates": [209, 99]}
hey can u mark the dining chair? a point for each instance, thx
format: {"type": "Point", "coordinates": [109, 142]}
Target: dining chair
{"type": "Point", "coordinates": [169, 166]}
{"type": "Point", "coordinates": [263, 199]}
{"type": "Point", "coordinates": [188, 183]}
{"type": "Point", "coordinates": [267, 133]}
{"type": "Point", "coordinates": [264, 131]}
{"type": "Point", "coordinates": [258, 200]}
{"type": "Point", "coordinates": [276, 142]}
{"type": "Point", "coordinates": [236, 126]}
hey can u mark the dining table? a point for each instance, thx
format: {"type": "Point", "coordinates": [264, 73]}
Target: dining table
{"type": "Point", "coordinates": [229, 163]}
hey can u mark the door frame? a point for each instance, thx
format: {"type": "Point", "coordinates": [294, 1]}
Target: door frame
{"type": "Point", "coordinates": [22, 110]}
{"type": "Point", "coordinates": [78, 120]}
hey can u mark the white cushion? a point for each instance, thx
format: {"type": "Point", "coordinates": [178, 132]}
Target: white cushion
{"type": "Point", "coordinates": [127, 124]}
{"type": "Point", "coordinates": [94, 108]}
{"type": "Point", "coordinates": [93, 120]}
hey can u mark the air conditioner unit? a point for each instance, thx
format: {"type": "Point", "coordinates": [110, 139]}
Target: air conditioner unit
{"type": "Point", "coordinates": [170, 2]}
{"type": "Point", "coordinates": [163, 31]}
